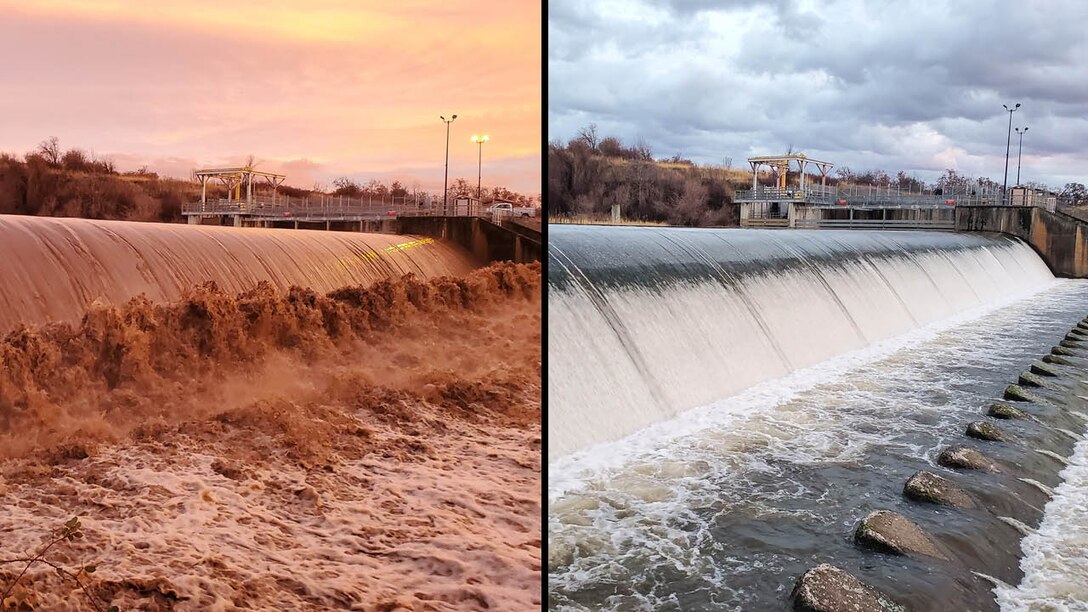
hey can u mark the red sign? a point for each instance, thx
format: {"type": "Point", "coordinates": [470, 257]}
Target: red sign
{"type": "Point", "coordinates": [841, 202]}
{"type": "Point", "coordinates": [950, 202]}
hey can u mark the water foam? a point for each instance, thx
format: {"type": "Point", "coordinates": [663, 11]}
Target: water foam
{"type": "Point", "coordinates": [649, 322]}
{"type": "Point", "coordinates": [1055, 564]}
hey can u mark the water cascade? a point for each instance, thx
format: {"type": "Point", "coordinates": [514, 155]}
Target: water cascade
{"type": "Point", "coordinates": [645, 323]}
{"type": "Point", "coordinates": [53, 268]}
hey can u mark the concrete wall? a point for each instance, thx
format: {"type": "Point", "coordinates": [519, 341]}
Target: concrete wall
{"type": "Point", "coordinates": [486, 240]}
{"type": "Point", "coordinates": [1061, 240]}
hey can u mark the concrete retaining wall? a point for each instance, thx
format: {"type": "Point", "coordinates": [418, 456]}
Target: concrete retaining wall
{"type": "Point", "coordinates": [486, 240]}
{"type": "Point", "coordinates": [1060, 239]}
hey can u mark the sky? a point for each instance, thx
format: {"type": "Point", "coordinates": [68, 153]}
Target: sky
{"type": "Point", "coordinates": [912, 85]}
{"type": "Point", "coordinates": [316, 90]}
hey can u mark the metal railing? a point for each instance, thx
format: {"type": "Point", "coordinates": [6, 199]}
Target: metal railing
{"type": "Point", "coordinates": [926, 224]}
{"type": "Point", "coordinates": [866, 197]}
{"type": "Point", "coordinates": [336, 208]}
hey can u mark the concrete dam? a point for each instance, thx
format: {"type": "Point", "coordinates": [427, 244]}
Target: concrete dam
{"type": "Point", "coordinates": [729, 409]}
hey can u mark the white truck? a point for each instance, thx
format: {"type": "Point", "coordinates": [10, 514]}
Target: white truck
{"type": "Point", "coordinates": [509, 210]}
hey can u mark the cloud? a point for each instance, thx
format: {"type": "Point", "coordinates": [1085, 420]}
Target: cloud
{"type": "Point", "coordinates": [356, 87]}
{"type": "Point", "coordinates": [915, 85]}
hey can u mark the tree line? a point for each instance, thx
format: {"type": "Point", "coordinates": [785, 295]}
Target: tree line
{"type": "Point", "coordinates": [590, 174]}
{"type": "Point", "coordinates": [52, 181]}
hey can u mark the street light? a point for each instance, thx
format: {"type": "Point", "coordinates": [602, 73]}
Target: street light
{"type": "Point", "coordinates": [446, 178]}
{"type": "Point", "coordinates": [1008, 144]}
{"type": "Point", "coordinates": [1019, 151]}
{"type": "Point", "coordinates": [480, 140]}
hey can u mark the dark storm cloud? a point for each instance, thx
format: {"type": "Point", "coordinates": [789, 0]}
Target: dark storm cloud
{"type": "Point", "coordinates": [911, 85]}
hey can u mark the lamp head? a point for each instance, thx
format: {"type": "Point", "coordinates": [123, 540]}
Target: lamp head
{"type": "Point", "coordinates": [1017, 106]}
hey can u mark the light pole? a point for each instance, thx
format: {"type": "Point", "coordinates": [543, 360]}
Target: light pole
{"type": "Point", "coordinates": [1008, 144]}
{"type": "Point", "coordinates": [480, 140]}
{"type": "Point", "coordinates": [445, 180]}
{"type": "Point", "coordinates": [1019, 152]}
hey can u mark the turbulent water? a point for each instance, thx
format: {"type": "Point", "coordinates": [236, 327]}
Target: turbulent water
{"type": "Point", "coordinates": [864, 355]}
{"type": "Point", "coordinates": [53, 268]}
{"type": "Point", "coordinates": [376, 446]}
{"type": "Point", "coordinates": [657, 320]}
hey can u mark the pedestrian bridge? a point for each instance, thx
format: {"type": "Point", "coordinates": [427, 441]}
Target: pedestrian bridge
{"type": "Point", "coordinates": [861, 207]}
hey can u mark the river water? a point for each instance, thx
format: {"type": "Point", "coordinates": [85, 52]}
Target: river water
{"type": "Point", "coordinates": [723, 506]}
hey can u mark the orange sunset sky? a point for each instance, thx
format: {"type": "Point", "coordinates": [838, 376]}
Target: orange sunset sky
{"type": "Point", "coordinates": [316, 90]}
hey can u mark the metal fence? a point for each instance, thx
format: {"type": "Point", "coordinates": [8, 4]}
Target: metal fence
{"type": "Point", "coordinates": [924, 224]}
{"type": "Point", "coordinates": [337, 208]}
{"type": "Point", "coordinates": [867, 196]}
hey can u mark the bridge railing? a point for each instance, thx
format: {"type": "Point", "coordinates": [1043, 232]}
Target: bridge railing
{"type": "Point", "coordinates": [819, 195]}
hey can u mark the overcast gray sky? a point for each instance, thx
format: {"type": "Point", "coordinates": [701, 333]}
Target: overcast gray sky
{"type": "Point", "coordinates": [914, 85]}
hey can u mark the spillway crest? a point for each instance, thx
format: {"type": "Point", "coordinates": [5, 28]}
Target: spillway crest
{"type": "Point", "coordinates": [646, 322]}
{"type": "Point", "coordinates": [54, 268]}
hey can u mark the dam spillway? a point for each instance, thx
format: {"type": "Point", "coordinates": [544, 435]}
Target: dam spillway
{"type": "Point", "coordinates": [726, 405]}
{"type": "Point", "coordinates": [652, 321]}
{"type": "Point", "coordinates": [53, 268]}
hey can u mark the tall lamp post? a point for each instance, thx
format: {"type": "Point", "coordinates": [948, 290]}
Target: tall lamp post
{"type": "Point", "coordinates": [1019, 152]}
{"type": "Point", "coordinates": [1008, 144]}
{"type": "Point", "coordinates": [445, 180]}
{"type": "Point", "coordinates": [480, 140]}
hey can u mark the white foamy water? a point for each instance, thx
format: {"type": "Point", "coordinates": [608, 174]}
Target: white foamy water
{"type": "Point", "coordinates": [1055, 559]}
{"type": "Point", "coordinates": [721, 507]}
{"type": "Point", "coordinates": [645, 323]}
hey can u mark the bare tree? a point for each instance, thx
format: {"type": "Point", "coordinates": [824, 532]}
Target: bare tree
{"type": "Point", "coordinates": [50, 151]}
{"type": "Point", "coordinates": [588, 135]}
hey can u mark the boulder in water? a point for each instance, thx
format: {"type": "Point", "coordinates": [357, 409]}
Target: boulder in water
{"type": "Point", "coordinates": [985, 431]}
{"type": "Point", "coordinates": [1020, 394]}
{"type": "Point", "coordinates": [1004, 411]}
{"type": "Point", "coordinates": [1043, 369]}
{"type": "Point", "coordinates": [826, 588]}
{"type": "Point", "coordinates": [966, 458]}
{"type": "Point", "coordinates": [1061, 350]}
{"type": "Point", "coordinates": [1076, 338]}
{"type": "Point", "coordinates": [1057, 360]}
{"type": "Point", "coordinates": [1029, 379]}
{"type": "Point", "coordinates": [894, 533]}
{"type": "Point", "coordinates": [1069, 344]}
{"type": "Point", "coordinates": [929, 487]}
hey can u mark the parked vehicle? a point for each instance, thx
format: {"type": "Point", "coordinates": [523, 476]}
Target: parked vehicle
{"type": "Point", "coordinates": [507, 208]}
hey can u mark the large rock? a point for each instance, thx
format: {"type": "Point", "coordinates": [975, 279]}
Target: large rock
{"type": "Point", "coordinates": [1057, 360]}
{"type": "Point", "coordinates": [1004, 411]}
{"type": "Point", "coordinates": [1043, 369]}
{"type": "Point", "coordinates": [1078, 332]}
{"type": "Point", "coordinates": [826, 588]}
{"type": "Point", "coordinates": [985, 431]}
{"type": "Point", "coordinates": [1069, 344]}
{"type": "Point", "coordinates": [929, 487]}
{"type": "Point", "coordinates": [1077, 338]}
{"type": "Point", "coordinates": [1063, 351]}
{"type": "Point", "coordinates": [1017, 393]}
{"type": "Point", "coordinates": [894, 533]}
{"type": "Point", "coordinates": [966, 458]}
{"type": "Point", "coordinates": [1030, 379]}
